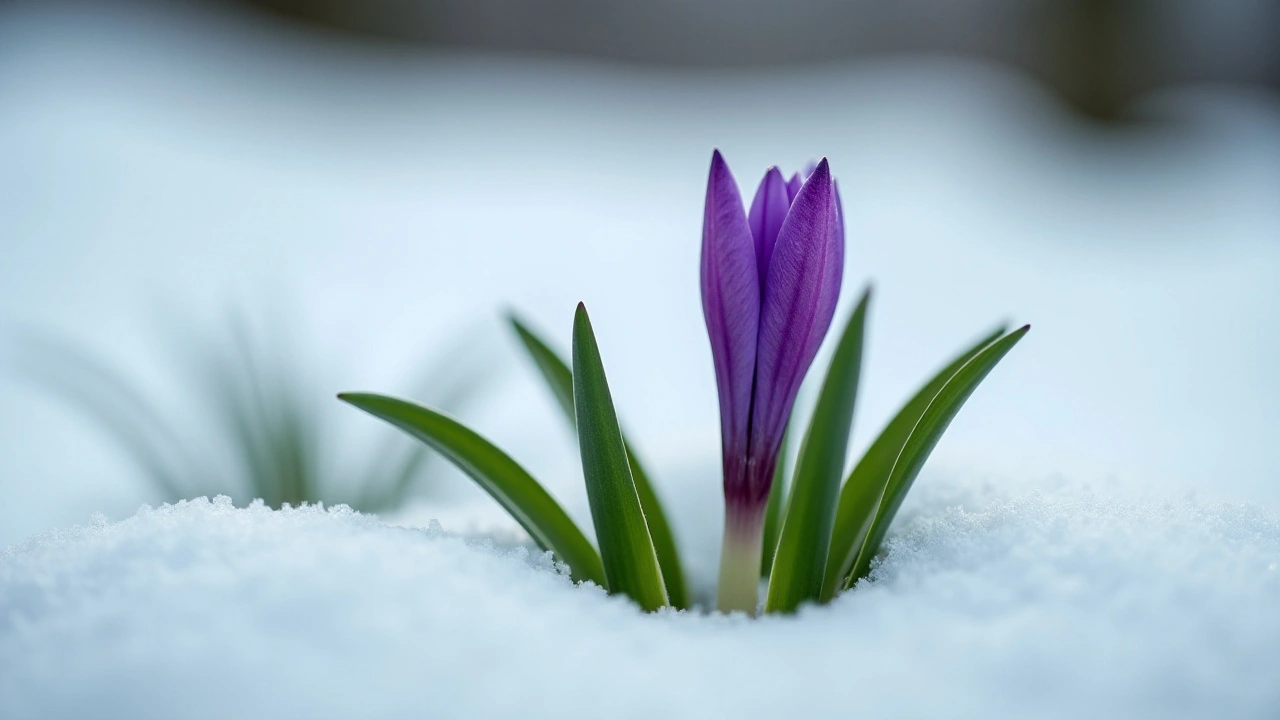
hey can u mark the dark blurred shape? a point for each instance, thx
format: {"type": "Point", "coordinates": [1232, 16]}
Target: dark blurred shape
{"type": "Point", "coordinates": [1097, 54]}
{"type": "Point", "coordinates": [259, 430]}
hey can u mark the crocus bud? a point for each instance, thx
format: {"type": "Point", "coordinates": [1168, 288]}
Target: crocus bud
{"type": "Point", "coordinates": [770, 282]}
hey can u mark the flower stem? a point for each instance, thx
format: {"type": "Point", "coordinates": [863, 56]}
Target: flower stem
{"type": "Point", "coordinates": [740, 560]}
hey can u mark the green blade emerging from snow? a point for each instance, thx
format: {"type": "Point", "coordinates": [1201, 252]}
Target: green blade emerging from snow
{"type": "Point", "coordinates": [559, 379]}
{"type": "Point", "coordinates": [630, 563]}
{"type": "Point", "coordinates": [862, 491]}
{"type": "Point", "coordinates": [801, 558]}
{"type": "Point", "coordinates": [924, 437]}
{"type": "Point", "coordinates": [536, 511]}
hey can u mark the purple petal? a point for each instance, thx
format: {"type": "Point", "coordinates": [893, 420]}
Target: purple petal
{"type": "Point", "coordinates": [768, 210]}
{"type": "Point", "coordinates": [800, 296]}
{"type": "Point", "coordinates": [793, 187]}
{"type": "Point", "coordinates": [731, 306]}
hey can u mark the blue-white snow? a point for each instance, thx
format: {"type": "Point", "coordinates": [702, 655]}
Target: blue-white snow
{"type": "Point", "coordinates": [394, 200]}
{"type": "Point", "coordinates": [1052, 604]}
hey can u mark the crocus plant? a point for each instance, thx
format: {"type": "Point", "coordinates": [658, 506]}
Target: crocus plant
{"type": "Point", "coordinates": [770, 282]}
{"type": "Point", "coordinates": [771, 277]}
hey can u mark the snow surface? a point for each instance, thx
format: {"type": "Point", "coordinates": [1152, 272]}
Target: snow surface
{"type": "Point", "coordinates": [1053, 603]}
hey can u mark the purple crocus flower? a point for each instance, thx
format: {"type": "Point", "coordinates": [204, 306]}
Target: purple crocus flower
{"type": "Point", "coordinates": [770, 281]}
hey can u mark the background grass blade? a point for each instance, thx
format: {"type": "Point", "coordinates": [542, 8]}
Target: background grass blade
{"type": "Point", "coordinates": [124, 414]}
{"type": "Point", "coordinates": [860, 497]}
{"type": "Point", "coordinates": [243, 414]}
{"type": "Point", "coordinates": [924, 437]}
{"type": "Point", "coordinates": [801, 557]}
{"type": "Point", "coordinates": [536, 511]}
{"type": "Point", "coordinates": [554, 370]}
{"type": "Point", "coordinates": [559, 379]}
{"type": "Point", "coordinates": [630, 563]}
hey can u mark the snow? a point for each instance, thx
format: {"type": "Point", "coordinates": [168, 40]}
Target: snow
{"type": "Point", "coordinates": [1053, 602]}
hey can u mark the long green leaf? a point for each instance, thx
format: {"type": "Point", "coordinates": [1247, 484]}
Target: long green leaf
{"type": "Point", "coordinates": [630, 563]}
{"type": "Point", "coordinates": [536, 511]}
{"type": "Point", "coordinates": [801, 557]}
{"type": "Point", "coordinates": [397, 468]}
{"type": "Point", "coordinates": [864, 487]}
{"type": "Point", "coordinates": [924, 437]}
{"type": "Point", "coordinates": [559, 379]}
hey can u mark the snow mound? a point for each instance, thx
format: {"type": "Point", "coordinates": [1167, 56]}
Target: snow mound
{"type": "Point", "coordinates": [1053, 603]}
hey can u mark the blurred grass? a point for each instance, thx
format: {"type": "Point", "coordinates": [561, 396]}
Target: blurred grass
{"type": "Point", "coordinates": [252, 422]}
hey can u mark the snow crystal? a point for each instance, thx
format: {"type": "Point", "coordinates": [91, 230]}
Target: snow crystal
{"type": "Point", "coordinates": [1049, 603]}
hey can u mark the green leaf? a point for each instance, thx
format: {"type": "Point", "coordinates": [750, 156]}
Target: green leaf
{"type": "Point", "coordinates": [451, 382]}
{"type": "Point", "coordinates": [806, 528]}
{"type": "Point", "coordinates": [773, 508]}
{"type": "Point", "coordinates": [559, 379]}
{"type": "Point", "coordinates": [924, 437]}
{"type": "Point", "coordinates": [536, 511]}
{"type": "Point", "coordinates": [630, 563]}
{"type": "Point", "coordinates": [862, 491]}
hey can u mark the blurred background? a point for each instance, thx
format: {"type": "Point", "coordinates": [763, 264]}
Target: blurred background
{"type": "Point", "coordinates": [216, 215]}
{"type": "Point", "coordinates": [1097, 55]}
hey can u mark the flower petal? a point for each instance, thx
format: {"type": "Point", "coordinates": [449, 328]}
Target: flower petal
{"type": "Point", "coordinates": [768, 210]}
{"type": "Point", "coordinates": [800, 294]}
{"type": "Point", "coordinates": [731, 306]}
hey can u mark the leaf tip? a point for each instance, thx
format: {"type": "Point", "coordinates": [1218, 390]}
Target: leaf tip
{"type": "Point", "coordinates": [353, 398]}
{"type": "Point", "coordinates": [1013, 337]}
{"type": "Point", "coordinates": [521, 329]}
